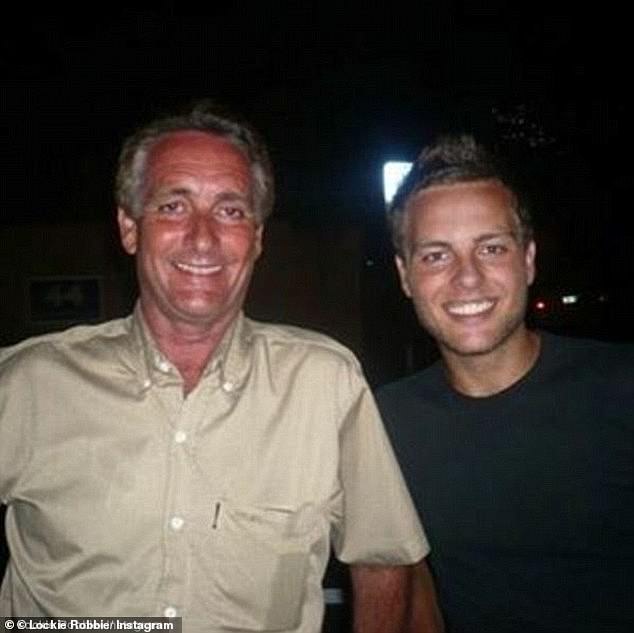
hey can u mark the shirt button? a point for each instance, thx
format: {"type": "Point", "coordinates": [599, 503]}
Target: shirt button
{"type": "Point", "coordinates": [176, 523]}
{"type": "Point", "coordinates": [147, 383]}
{"type": "Point", "coordinates": [180, 437]}
{"type": "Point", "coordinates": [227, 386]}
{"type": "Point", "coordinates": [164, 366]}
{"type": "Point", "coordinates": [170, 612]}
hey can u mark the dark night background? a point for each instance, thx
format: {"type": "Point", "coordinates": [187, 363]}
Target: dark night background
{"type": "Point", "coordinates": [336, 92]}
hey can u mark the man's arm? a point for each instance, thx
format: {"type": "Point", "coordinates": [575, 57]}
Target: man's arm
{"type": "Point", "coordinates": [379, 598]}
{"type": "Point", "coordinates": [424, 612]}
{"type": "Point", "coordinates": [394, 599]}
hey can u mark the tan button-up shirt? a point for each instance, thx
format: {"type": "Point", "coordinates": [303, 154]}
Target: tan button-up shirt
{"type": "Point", "coordinates": [126, 498]}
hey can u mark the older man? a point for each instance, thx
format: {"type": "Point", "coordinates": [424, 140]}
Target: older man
{"type": "Point", "coordinates": [187, 461]}
{"type": "Point", "coordinates": [518, 445]}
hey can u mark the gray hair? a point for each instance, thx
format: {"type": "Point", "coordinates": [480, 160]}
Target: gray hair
{"type": "Point", "coordinates": [204, 116]}
{"type": "Point", "coordinates": [452, 160]}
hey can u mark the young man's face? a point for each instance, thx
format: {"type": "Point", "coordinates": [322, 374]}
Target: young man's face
{"type": "Point", "coordinates": [198, 237]}
{"type": "Point", "coordinates": [465, 267]}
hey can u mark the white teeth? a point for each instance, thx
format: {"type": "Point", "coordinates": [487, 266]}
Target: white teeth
{"type": "Point", "coordinates": [196, 269]}
{"type": "Point", "coordinates": [470, 308]}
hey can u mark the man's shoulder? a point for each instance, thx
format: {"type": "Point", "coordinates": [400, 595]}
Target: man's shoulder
{"type": "Point", "coordinates": [297, 340]}
{"type": "Point", "coordinates": [90, 338]}
{"type": "Point", "coordinates": [588, 355]}
{"type": "Point", "coordinates": [582, 344]}
{"type": "Point", "coordinates": [420, 384]}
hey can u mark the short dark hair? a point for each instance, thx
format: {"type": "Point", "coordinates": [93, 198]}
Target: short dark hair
{"type": "Point", "coordinates": [452, 160]}
{"type": "Point", "coordinates": [204, 116]}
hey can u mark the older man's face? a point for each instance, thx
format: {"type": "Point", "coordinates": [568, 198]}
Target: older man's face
{"type": "Point", "coordinates": [198, 236]}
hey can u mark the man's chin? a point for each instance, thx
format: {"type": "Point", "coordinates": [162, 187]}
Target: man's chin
{"type": "Point", "coordinates": [466, 351]}
{"type": "Point", "coordinates": [202, 317]}
{"type": "Point", "coordinates": [475, 346]}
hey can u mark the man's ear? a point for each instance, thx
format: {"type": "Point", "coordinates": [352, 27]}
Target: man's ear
{"type": "Point", "coordinates": [259, 233]}
{"type": "Point", "coordinates": [529, 261]}
{"type": "Point", "coordinates": [128, 231]}
{"type": "Point", "coordinates": [401, 266]}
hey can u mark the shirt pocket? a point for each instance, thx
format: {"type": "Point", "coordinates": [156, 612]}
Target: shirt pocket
{"type": "Point", "coordinates": [262, 566]}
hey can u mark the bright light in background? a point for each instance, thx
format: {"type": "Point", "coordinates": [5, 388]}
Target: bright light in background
{"type": "Point", "coordinates": [568, 299]}
{"type": "Point", "coordinates": [393, 173]}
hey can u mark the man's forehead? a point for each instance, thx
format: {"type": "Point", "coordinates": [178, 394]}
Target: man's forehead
{"type": "Point", "coordinates": [482, 196]}
{"type": "Point", "coordinates": [195, 163]}
{"type": "Point", "coordinates": [489, 189]}
{"type": "Point", "coordinates": [195, 146]}
{"type": "Point", "coordinates": [464, 210]}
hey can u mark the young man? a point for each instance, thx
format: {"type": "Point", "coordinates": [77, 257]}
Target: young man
{"type": "Point", "coordinates": [517, 446]}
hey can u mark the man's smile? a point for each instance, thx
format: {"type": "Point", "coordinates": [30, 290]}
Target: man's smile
{"type": "Point", "coordinates": [469, 308]}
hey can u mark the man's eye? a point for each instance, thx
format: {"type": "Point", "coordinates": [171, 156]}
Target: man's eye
{"type": "Point", "coordinates": [172, 207]}
{"type": "Point", "coordinates": [433, 257]}
{"type": "Point", "coordinates": [231, 212]}
{"type": "Point", "coordinates": [493, 249]}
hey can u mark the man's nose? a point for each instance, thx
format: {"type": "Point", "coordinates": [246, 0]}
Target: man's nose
{"type": "Point", "coordinates": [468, 272]}
{"type": "Point", "coordinates": [202, 231]}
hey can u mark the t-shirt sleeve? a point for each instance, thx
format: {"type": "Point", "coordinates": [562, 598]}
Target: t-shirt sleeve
{"type": "Point", "coordinates": [379, 524]}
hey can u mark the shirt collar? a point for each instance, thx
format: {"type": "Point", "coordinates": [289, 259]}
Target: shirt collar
{"type": "Point", "coordinates": [231, 360]}
{"type": "Point", "coordinates": [235, 354]}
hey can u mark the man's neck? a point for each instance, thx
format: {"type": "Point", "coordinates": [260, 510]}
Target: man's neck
{"type": "Point", "coordinates": [484, 375]}
{"type": "Point", "coordinates": [188, 348]}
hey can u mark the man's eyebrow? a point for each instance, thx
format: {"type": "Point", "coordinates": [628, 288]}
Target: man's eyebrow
{"type": "Point", "coordinates": [180, 190]}
{"type": "Point", "coordinates": [423, 243]}
{"type": "Point", "coordinates": [496, 235]}
{"type": "Point", "coordinates": [231, 196]}
{"type": "Point", "coordinates": [169, 191]}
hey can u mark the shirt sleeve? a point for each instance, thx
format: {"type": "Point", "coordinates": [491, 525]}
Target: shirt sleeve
{"type": "Point", "coordinates": [379, 524]}
{"type": "Point", "coordinates": [15, 423]}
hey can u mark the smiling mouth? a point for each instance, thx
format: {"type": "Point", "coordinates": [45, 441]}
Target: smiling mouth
{"type": "Point", "coordinates": [470, 308]}
{"type": "Point", "coordinates": [198, 269]}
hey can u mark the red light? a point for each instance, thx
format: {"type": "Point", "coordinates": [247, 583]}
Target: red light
{"type": "Point", "coordinates": [540, 305]}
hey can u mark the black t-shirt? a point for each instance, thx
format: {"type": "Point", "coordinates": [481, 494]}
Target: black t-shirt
{"type": "Point", "coordinates": [527, 496]}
